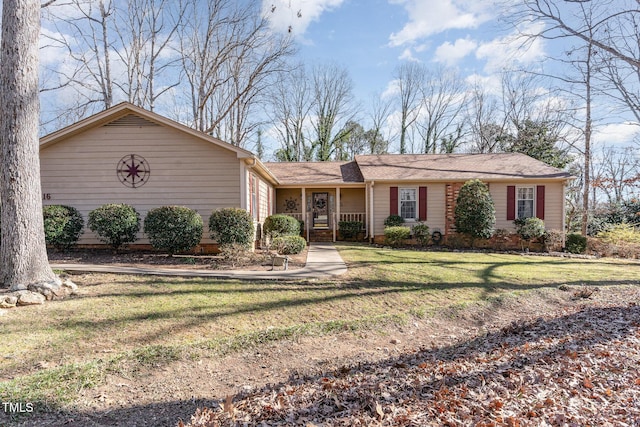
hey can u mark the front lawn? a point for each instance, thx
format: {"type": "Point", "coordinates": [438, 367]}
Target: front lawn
{"type": "Point", "coordinates": [119, 323]}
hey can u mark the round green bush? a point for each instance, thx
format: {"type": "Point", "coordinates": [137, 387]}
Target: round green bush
{"type": "Point", "coordinates": [231, 225]}
{"type": "Point", "coordinates": [576, 243]}
{"type": "Point", "coordinates": [281, 225]}
{"type": "Point", "coordinates": [393, 221]}
{"type": "Point", "coordinates": [62, 225]}
{"type": "Point", "coordinates": [115, 224]}
{"type": "Point", "coordinates": [349, 229]}
{"type": "Point", "coordinates": [288, 245]}
{"type": "Point", "coordinates": [173, 228]}
{"type": "Point", "coordinates": [421, 233]}
{"type": "Point", "coordinates": [395, 236]}
{"type": "Point", "coordinates": [529, 228]}
{"type": "Point", "coordinates": [475, 213]}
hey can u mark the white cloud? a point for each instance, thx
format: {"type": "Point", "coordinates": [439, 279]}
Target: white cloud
{"type": "Point", "coordinates": [428, 17]}
{"type": "Point", "coordinates": [450, 54]}
{"type": "Point", "coordinates": [286, 16]}
{"type": "Point", "coordinates": [616, 134]}
{"type": "Point", "coordinates": [407, 55]}
{"type": "Point", "coordinates": [504, 52]}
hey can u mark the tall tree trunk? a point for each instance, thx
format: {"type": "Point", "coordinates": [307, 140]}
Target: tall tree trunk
{"type": "Point", "coordinates": [23, 255]}
{"type": "Point", "coordinates": [587, 143]}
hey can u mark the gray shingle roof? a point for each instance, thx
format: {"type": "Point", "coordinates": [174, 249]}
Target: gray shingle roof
{"type": "Point", "coordinates": [316, 172]}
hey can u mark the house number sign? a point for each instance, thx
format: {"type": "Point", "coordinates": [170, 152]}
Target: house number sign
{"type": "Point", "coordinates": [133, 171]}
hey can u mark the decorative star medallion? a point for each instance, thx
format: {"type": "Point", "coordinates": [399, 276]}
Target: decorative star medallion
{"type": "Point", "coordinates": [133, 171]}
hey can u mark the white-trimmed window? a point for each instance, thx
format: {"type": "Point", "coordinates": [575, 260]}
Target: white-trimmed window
{"type": "Point", "coordinates": [525, 202]}
{"type": "Point", "coordinates": [408, 200]}
{"type": "Point", "coordinates": [255, 209]}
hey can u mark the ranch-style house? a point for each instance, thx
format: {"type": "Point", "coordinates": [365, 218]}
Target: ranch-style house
{"type": "Point", "coordinates": [127, 154]}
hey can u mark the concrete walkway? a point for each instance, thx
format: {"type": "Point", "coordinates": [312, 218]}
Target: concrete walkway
{"type": "Point", "coordinates": [323, 261]}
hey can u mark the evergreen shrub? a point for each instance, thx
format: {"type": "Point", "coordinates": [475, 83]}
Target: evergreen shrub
{"type": "Point", "coordinates": [173, 228]}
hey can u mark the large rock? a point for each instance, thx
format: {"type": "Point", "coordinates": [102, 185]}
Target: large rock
{"type": "Point", "coordinates": [8, 301]}
{"type": "Point", "coordinates": [57, 289]}
{"type": "Point", "coordinates": [29, 298]}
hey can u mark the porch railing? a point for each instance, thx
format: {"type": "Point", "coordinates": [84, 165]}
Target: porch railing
{"type": "Point", "coordinates": [355, 216]}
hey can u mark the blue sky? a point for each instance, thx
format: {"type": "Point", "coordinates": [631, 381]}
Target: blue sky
{"type": "Point", "coordinates": [372, 37]}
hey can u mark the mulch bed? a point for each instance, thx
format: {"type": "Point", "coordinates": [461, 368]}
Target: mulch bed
{"type": "Point", "coordinates": [138, 258]}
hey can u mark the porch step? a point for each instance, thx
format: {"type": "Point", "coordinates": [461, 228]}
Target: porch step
{"type": "Point", "coordinates": [321, 236]}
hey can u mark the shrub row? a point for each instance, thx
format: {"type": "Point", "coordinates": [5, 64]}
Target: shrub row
{"type": "Point", "coordinates": [170, 228]}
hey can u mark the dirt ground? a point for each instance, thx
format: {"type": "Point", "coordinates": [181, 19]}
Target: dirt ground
{"type": "Point", "coordinates": [164, 395]}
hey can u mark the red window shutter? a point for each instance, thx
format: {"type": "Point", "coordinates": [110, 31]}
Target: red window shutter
{"type": "Point", "coordinates": [422, 202]}
{"type": "Point", "coordinates": [393, 204]}
{"type": "Point", "coordinates": [540, 201]}
{"type": "Point", "coordinates": [511, 202]}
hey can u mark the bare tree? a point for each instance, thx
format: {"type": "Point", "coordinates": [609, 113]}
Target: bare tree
{"type": "Point", "coordinates": [145, 31]}
{"type": "Point", "coordinates": [229, 56]}
{"type": "Point", "coordinates": [616, 174]}
{"type": "Point", "coordinates": [409, 79]}
{"type": "Point", "coordinates": [289, 107]}
{"type": "Point", "coordinates": [379, 115]}
{"type": "Point", "coordinates": [487, 125]}
{"type": "Point", "coordinates": [23, 254]}
{"type": "Point", "coordinates": [88, 41]}
{"type": "Point", "coordinates": [332, 109]}
{"type": "Point", "coordinates": [443, 98]}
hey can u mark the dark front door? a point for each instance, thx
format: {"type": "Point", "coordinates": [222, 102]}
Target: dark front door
{"type": "Point", "coordinates": [320, 210]}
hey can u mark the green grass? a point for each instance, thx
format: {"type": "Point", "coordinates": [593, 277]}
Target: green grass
{"type": "Point", "coordinates": [123, 323]}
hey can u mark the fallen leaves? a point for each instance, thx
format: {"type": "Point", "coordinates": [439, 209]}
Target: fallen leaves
{"type": "Point", "coordinates": [580, 368]}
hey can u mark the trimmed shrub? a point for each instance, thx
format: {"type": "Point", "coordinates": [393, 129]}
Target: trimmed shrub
{"type": "Point", "coordinates": [393, 221]}
{"type": "Point", "coordinates": [475, 214]}
{"type": "Point", "coordinates": [231, 225]}
{"type": "Point", "coordinates": [395, 236]}
{"type": "Point", "coordinates": [288, 245]}
{"type": "Point", "coordinates": [281, 225]}
{"type": "Point", "coordinates": [62, 226]}
{"type": "Point", "coordinates": [115, 224]}
{"type": "Point", "coordinates": [421, 233]}
{"type": "Point", "coordinates": [576, 243]}
{"type": "Point", "coordinates": [349, 229]}
{"type": "Point", "coordinates": [529, 228]}
{"type": "Point", "coordinates": [173, 228]}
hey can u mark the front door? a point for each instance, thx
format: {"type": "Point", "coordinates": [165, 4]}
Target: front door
{"type": "Point", "coordinates": [320, 210]}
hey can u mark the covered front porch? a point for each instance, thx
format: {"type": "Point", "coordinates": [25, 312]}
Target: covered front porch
{"type": "Point", "coordinates": [323, 208]}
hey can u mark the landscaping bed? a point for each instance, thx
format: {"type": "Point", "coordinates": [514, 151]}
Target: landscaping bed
{"type": "Point", "coordinates": [259, 261]}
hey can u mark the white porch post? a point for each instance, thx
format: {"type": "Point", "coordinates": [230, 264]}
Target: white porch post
{"type": "Point", "coordinates": [337, 215]}
{"type": "Point", "coordinates": [372, 219]}
{"type": "Point", "coordinates": [304, 210]}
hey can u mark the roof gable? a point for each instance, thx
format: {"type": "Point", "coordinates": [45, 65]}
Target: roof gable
{"type": "Point", "coordinates": [127, 114]}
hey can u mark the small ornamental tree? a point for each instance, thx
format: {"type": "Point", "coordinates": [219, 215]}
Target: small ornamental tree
{"type": "Point", "coordinates": [173, 228]}
{"type": "Point", "coordinates": [231, 225]}
{"type": "Point", "coordinates": [62, 225]}
{"type": "Point", "coordinates": [115, 224]}
{"type": "Point", "coordinates": [475, 213]}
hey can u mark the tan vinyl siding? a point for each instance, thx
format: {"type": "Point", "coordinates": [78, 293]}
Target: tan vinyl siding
{"type": "Point", "coordinates": [554, 202]}
{"type": "Point", "coordinates": [81, 172]}
{"type": "Point", "coordinates": [435, 204]}
{"type": "Point", "coordinates": [352, 200]}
